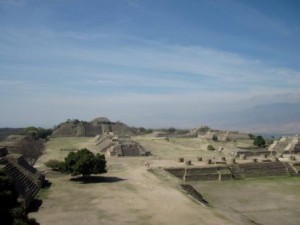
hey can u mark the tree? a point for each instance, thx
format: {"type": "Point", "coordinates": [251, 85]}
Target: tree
{"type": "Point", "coordinates": [37, 133]}
{"type": "Point", "coordinates": [171, 130]}
{"type": "Point", "coordinates": [30, 149]}
{"type": "Point", "coordinates": [84, 162]}
{"type": "Point", "coordinates": [259, 141]}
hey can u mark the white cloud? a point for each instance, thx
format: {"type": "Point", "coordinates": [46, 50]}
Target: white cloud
{"type": "Point", "coordinates": [55, 76]}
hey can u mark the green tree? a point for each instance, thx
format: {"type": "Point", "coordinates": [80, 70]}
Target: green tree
{"type": "Point", "coordinates": [259, 141]}
{"type": "Point", "coordinates": [37, 133]}
{"type": "Point", "coordinates": [171, 130]}
{"type": "Point", "coordinates": [85, 163]}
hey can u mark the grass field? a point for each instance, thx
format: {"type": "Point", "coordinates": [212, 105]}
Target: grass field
{"type": "Point", "coordinates": [263, 201]}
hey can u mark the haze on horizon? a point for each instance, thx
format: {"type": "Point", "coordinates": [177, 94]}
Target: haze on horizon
{"type": "Point", "coordinates": [148, 63]}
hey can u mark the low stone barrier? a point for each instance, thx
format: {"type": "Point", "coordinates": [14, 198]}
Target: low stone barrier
{"type": "Point", "coordinates": [188, 162]}
{"type": "Point", "coordinates": [189, 190]}
{"type": "Point", "coordinates": [180, 159]}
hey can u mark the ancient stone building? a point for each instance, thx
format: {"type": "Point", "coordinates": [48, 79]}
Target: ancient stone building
{"type": "Point", "coordinates": [111, 145]}
{"type": "Point", "coordinates": [27, 180]}
{"type": "Point", "coordinates": [95, 127]}
{"type": "Point", "coordinates": [286, 145]}
{"type": "Point", "coordinates": [127, 148]}
{"type": "Point", "coordinates": [236, 171]}
{"type": "Point", "coordinates": [224, 135]}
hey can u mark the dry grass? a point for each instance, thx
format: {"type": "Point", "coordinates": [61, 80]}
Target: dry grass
{"type": "Point", "coordinates": [266, 201]}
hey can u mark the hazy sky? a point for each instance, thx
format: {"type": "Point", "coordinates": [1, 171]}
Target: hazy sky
{"type": "Point", "coordinates": [145, 62]}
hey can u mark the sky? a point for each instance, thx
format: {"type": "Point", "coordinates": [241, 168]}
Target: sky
{"type": "Point", "coordinates": [152, 63]}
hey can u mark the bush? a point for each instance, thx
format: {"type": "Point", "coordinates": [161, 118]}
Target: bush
{"type": "Point", "coordinates": [210, 148]}
{"type": "Point", "coordinates": [259, 141]}
{"type": "Point", "coordinates": [55, 165]}
{"type": "Point", "coordinates": [215, 138]}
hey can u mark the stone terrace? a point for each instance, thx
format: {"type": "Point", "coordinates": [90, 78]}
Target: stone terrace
{"type": "Point", "coordinates": [235, 171]}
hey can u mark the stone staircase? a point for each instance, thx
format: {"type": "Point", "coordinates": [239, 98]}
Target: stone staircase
{"type": "Point", "coordinates": [296, 167]}
{"type": "Point", "coordinates": [236, 172]}
{"type": "Point", "coordinates": [279, 146]}
{"type": "Point", "coordinates": [291, 169]}
{"type": "Point", "coordinates": [266, 169]}
{"type": "Point", "coordinates": [206, 173]}
{"type": "Point", "coordinates": [27, 181]}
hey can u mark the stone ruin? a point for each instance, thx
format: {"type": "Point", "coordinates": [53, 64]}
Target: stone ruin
{"type": "Point", "coordinates": [98, 126]}
{"type": "Point", "coordinates": [223, 135]}
{"type": "Point", "coordinates": [14, 143]}
{"type": "Point", "coordinates": [112, 145]}
{"type": "Point", "coordinates": [286, 145]}
{"type": "Point", "coordinates": [27, 180]}
{"type": "Point", "coordinates": [250, 152]}
{"type": "Point", "coordinates": [201, 173]}
{"type": "Point", "coordinates": [236, 171]}
{"type": "Point", "coordinates": [193, 193]}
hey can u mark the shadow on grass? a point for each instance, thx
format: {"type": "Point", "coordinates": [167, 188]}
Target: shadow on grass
{"type": "Point", "coordinates": [96, 179]}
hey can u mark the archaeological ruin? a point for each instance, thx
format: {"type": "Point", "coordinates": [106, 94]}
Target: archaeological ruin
{"type": "Point", "coordinates": [112, 145]}
{"type": "Point", "coordinates": [27, 180]}
{"type": "Point", "coordinates": [235, 170]}
{"type": "Point", "coordinates": [286, 145]}
{"type": "Point", "coordinates": [98, 126]}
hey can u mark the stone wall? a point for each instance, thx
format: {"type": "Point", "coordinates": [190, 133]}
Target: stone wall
{"type": "Point", "coordinates": [236, 171]}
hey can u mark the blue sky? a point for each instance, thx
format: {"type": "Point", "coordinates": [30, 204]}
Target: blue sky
{"type": "Point", "coordinates": [151, 63]}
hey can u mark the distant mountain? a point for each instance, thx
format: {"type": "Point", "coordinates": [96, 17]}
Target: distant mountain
{"type": "Point", "coordinates": [269, 118]}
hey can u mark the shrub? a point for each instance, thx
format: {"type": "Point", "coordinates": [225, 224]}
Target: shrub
{"type": "Point", "coordinates": [215, 138]}
{"type": "Point", "coordinates": [210, 148]}
{"type": "Point", "coordinates": [55, 165]}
